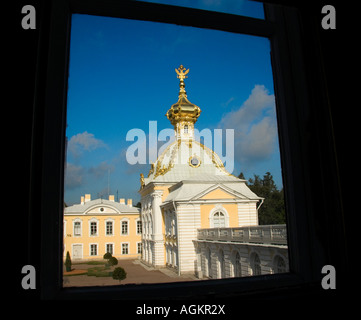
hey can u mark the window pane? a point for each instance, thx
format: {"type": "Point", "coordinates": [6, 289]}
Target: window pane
{"type": "Point", "coordinates": [120, 80]}
{"type": "Point", "coordinates": [109, 228]}
{"type": "Point", "coordinates": [124, 227]}
{"type": "Point", "coordinates": [93, 228]}
{"type": "Point", "coordinates": [77, 228]}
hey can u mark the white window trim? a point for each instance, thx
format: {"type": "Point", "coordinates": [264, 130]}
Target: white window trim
{"type": "Point", "coordinates": [136, 226]}
{"type": "Point", "coordinates": [105, 227]}
{"type": "Point", "coordinates": [105, 247]}
{"type": "Point", "coordinates": [81, 227]}
{"type": "Point", "coordinates": [218, 208]}
{"type": "Point", "coordinates": [139, 242]}
{"type": "Point", "coordinates": [97, 222]}
{"type": "Point", "coordinates": [121, 229]}
{"type": "Point", "coordinates": [121, 248]}
{"type": "Point", "coordinates": [90, 251]}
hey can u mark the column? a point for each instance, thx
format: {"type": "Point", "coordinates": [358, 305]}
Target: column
{"type": "Point", "coordinates": [157, 235]}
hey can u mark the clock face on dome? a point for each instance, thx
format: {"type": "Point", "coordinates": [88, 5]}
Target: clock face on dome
{"type": "Point", "coordinates": [194, 161]}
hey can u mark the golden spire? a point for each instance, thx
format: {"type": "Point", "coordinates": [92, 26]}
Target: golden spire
{"type": "Point", "coordinates": [181, 75]}
{"type": "Point", "coordinates": [183, 110]}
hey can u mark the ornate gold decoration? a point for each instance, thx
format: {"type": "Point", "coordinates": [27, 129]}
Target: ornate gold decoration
{"type": "Point", "coordinates": [192, 164]}
{"type": "Point", "coordinates": [182, 72]}
{"type": "Point", "coordinates": [161, 170]}
{"type": "Point", "coordinates": [151, 170]}
{"type": "Point", "coordinates": [183, 110]}
{"type": "Point", "coordinates": [142, 183]}
{"type": "Point", "coordinates": [215, 158]}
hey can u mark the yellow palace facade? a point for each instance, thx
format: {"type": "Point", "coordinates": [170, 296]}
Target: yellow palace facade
{"type": "Point", "coordinates": [95, 227]}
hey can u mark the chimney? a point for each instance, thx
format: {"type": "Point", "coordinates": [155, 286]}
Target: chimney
{"type": "Point", "coordinates": [87, 197]}
{"type": "Point", "coordinates": [82, 200]}
{"type": "Point", "coordinates": [111, 197]}
{"type": "Point", "coordinates": [122, 201]}
{"type": "Point", "coordinates": [129, 203]}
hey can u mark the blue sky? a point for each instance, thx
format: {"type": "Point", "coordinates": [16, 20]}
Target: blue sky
{"type": "Point", "coordinates": [121, 76]}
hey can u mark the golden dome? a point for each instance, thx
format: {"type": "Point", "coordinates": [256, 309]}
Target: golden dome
{"type": "Point", "coordinates": [183, 110]}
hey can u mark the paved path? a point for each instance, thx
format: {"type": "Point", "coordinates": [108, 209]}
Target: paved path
{"type": "Point", "coordinates": [137, 273]}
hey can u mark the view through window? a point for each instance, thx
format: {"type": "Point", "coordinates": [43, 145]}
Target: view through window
{"type": "Point", "coordinates": [173, 167]}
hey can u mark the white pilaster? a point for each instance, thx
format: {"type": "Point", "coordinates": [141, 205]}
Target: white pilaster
{"type": "Point", "coordinates": [157, 236]}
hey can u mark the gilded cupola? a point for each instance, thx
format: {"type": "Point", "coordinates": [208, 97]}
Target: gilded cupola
{"type": "Point", "coordinates": [183, 114]}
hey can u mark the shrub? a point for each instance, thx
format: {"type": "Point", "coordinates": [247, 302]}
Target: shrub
{"type": "Point", "coordinates": [67, 262]}
{"type": "Point", "coordinates": [119, 274]}
{"type": "Point", "coordinates": [107, 256]}
{"type": "Point", "coordinates": [113, 261]}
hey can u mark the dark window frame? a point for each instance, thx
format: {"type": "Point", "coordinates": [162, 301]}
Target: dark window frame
{"type": "Point", "coordinates": [298, 92]}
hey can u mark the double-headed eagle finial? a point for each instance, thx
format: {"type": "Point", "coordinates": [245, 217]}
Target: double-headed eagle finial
{"type": "Point", "coordinates": [182, 72]}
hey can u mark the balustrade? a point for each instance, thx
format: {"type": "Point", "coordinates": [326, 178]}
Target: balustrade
{"type": "Point", "coordinates": [273, 234]}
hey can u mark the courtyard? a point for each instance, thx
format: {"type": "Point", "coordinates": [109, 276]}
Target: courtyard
{"type": "Point", "coordinates": [137, 273]}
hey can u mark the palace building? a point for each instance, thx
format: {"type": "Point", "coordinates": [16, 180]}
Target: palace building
{"type": "Point", "coordinates": [187, 192]}
{"type": "Point", "coordinates": [95, 227]}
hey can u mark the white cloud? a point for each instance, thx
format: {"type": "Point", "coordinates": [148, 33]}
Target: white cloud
{"type": "Point", "coordinates": [84, 142]}
{"type": "Point", "coordinates": [255, 126]}
{"type": "Point", "coordinates": [78, 176]}
{"type": "Point", "coordinates": [74, 176]}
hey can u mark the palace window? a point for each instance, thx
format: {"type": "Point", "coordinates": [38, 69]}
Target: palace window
{"type": "Point", "coordinates": [185, 129]}
{"type": "Point", "coordinates": [296, 94]}
{"type": "Point", "coordinates": [237, 265]}
{"type": "Point", "coordinates": [139, 247]}
{"type": "Point", "coordinates": [125, 248]}
{"type": "Point", "coordinates": [93, 249]}
{"type": "Point", "coordinates": [219, 220]}
{"type": "Point", "coordinates": [279, 265]}
{"type": "Point", "coordinates": [109, 248]}
{"type": "Point", "coordinates": [77, 228]}
{"type": "Point", "coordinates": [139, 227]}
{"type": "Point", "coordinates": [124, 228]}
{"type": "Point", "coordinates": [109, 228]}
{"type": "Point", "coordinates": [93, 228]}
{"type": "Point", "coordinates": [256, 265]}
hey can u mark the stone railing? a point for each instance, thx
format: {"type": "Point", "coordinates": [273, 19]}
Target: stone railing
{"type": "Point", "coordinates": [272, 234]}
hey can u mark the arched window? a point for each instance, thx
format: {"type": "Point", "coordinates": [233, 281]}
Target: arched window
{"type": "Point", "coordinates": [279, 265]}
{"type": "Point", "coordinates": [219, 220]}
{"type": "Point", "coordinates": [185, 129]}
{"type": "Point", "coordinates": [256, 265]}
{"type": "Point", "coordinates": [236, 262]}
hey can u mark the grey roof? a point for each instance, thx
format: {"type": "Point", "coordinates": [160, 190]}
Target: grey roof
{"type": "Point", "coordinates": [193, 189]}
{"type": "Point", "coordinates": [82, 208]}
{"type": "Point", "coordinates": [191, 182]}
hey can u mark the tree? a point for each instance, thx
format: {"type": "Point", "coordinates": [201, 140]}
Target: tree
{"type": "Point", "coordinates": [67, 262]}
{"type": "Point", "coordinates": [107, 256]}
{"type": "Point", "coordinates": [119, 274]}
{"type": "Point", "coordinates": [113, 261]}
{"type": "Point", "coordinates": [272, 210]}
